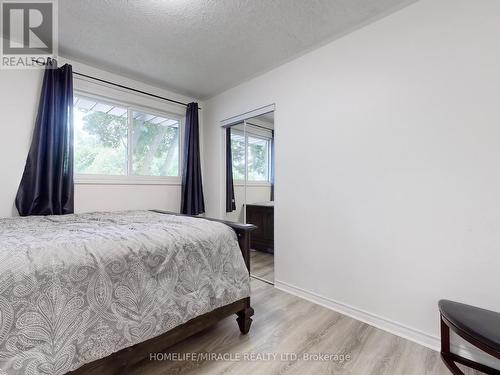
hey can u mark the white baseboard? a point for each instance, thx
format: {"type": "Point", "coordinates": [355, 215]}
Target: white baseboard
{"type": "Point", "coordinates": [412, 334]}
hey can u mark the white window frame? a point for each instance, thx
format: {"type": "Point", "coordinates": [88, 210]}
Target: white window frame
{"type": "Point", "coordinates": [131, 179]}
{"type": "Point", "coordinates": [246, 181]}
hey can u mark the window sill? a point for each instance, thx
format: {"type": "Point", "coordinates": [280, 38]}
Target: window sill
{"type": "Point", "coordinates": [252, 183]}
{"type": "Point", "coordinates": [125, 180]}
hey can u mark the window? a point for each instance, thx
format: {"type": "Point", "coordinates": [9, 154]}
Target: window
{"type": "Point", "coordinates": [101, 133]}
{"type": "Point", "coordinates": [117, 140]}
{"type": "Point", "coordinates": [238, 155]}
{"type": "Point", "coordinates": [258, 156]}
{"type": "Point", "coordinates": [155, 145]}
{"type": "Point", "coordinates": [258, 159]}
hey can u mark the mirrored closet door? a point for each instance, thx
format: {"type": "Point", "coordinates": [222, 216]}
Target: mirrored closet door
{"type": "Point", "coordinates": [250, 186]}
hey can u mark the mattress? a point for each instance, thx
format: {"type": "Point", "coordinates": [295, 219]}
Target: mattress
{"type": "Point", "coordinates": [76, 288]}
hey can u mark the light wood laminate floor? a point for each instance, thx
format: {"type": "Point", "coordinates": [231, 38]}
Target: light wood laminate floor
{"type": "Point", "coordinates": [284, 323]}
{"type": "Point", "coordinates": [262, 265]}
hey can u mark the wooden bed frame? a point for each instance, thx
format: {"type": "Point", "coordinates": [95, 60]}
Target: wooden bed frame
{"type": "Point", "coordinates": [126, 359]}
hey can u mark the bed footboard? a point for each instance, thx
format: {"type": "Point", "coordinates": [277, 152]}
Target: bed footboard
{"type": "Point", "coordinates": [243, 233]}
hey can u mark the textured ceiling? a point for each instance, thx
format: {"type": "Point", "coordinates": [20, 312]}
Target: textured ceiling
{"type": "Point", "coordinates": [201, 47]}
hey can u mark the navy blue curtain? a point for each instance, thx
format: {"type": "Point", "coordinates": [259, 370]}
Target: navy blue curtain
{"type": "Point", "coordinates": [230, 201]}
{"type": "Point", "coordinates": [192, 202]}
{"type": "Point", "coordinates": [46, 187]}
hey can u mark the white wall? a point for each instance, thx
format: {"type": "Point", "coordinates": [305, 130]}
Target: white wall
{"type": "Point", "coordinates": [396, 202]}
{"type": "Point", "coordinates": [19, 94]}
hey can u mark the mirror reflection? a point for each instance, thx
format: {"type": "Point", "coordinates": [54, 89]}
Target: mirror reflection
{"type": "Point", "coordinates": [250, 186]}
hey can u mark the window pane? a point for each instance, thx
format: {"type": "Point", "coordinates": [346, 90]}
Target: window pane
{"type": "Point", "coordinates": [238, 155]}
{"type": "Point", "coordinates": [100, 137]}
{"type": "Point", "coordinates": [257, 159]}
{"type": "Point", "coordinates": [155, 145]}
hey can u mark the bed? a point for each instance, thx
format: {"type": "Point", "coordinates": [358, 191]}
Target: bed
{"type": "Point", "coordinates": [97, 293]}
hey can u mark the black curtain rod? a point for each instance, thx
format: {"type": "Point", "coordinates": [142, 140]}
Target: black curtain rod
{"type": "Point", "coordinates": [258, 126]}
{"type": "Point", "coordinates": [248, 124]}
{"type": "Point", "coordinates": [131, 89]}
{"type": "Point", "coordinates": [123, 86]}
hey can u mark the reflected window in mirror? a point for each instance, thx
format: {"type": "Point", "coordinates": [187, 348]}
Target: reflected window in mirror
{"type": "Point", "coordinates": [258, 151]}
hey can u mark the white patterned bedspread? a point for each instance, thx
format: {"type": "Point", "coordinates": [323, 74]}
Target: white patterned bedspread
{"type": "Point", "coordinates": [77, 288]}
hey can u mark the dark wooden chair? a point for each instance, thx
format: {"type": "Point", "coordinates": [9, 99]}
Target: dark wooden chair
{"type": "Point", "coordinates": [478, 326]}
